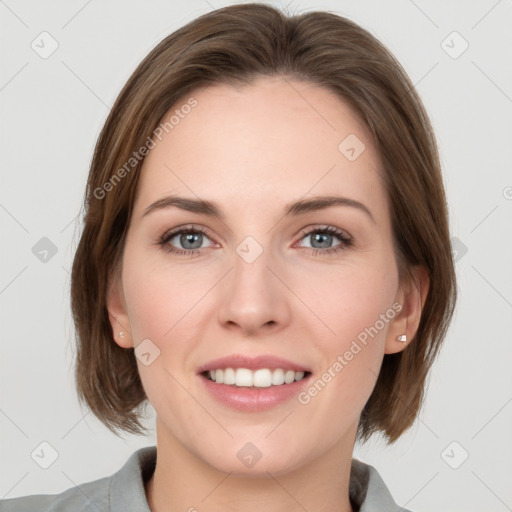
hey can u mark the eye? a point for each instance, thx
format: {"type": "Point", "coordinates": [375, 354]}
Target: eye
{"type": "Point", "coordinates": [326, 240]}
{"type": "Point", "coordinates": [185, 240]}
{"type": "Point", "coordinates": [189, 240]}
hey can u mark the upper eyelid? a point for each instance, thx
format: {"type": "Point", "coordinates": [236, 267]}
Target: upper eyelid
{"type": "Point", "coordinates": [344, 236]}
{"type": "Point", "coordinates": [190, 227]}
{"type": "Point", "coordinates": [326, 227]}
{"type": "Point", "coordinates": [171, 233]}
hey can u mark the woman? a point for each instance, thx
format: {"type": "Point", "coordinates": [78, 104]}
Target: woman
{"type": "Point", "coordinates": [265, 259]}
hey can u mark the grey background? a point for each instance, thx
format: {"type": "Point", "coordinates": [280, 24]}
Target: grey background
{"type": "Point", "coordinates": [52, 112]}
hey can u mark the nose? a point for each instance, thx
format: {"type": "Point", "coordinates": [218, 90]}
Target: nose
{"type": "Point", "coordinates": [254, 299]}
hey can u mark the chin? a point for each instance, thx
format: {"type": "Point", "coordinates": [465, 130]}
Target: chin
{"type": "Point", "coordinates": [243, 457]}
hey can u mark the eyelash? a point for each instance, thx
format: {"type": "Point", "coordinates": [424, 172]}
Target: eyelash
{"type": "Point", "coordinates": [345, 240]}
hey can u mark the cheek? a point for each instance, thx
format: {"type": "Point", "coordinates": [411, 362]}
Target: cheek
{"type": "Point", "coordinates": [355, 305]}
{"type": "Point", "coordinates": [357, 308]}
{"type": "Point", "coordinates": [166, 304]}
{"type": "Point", "coordinates": [351, 298]}
{"type": "Point", "coordinates": [161, 305]}
{"type": "Point", "coordinates": [159, 298]}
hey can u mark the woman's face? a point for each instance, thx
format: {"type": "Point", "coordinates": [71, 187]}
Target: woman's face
{"type": "Point", "coordinates": [279, 251]}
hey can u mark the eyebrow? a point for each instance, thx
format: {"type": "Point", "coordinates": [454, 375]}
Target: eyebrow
{"type": "Point", "coordinates": [299, 207]}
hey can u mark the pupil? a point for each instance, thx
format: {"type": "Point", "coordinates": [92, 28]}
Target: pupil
{"type": "Point", "coordinates": [324, 240]}
{"type": "Point", "coordinates": [194, 239]}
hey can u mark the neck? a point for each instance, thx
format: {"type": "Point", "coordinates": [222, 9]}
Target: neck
{"type": "Point", "coordinates": [182, 481]}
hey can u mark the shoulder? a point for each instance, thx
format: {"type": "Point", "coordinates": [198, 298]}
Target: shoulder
{"type": "Point", "coordinates": [84, 497]}
{"type": "Point", "coordinates": [121, 492]}
{"type": "Point", "coordinates": [369, 492]}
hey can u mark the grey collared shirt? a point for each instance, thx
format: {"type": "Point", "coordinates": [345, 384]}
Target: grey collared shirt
{"type": "Point", "coordinates": [124, 491]}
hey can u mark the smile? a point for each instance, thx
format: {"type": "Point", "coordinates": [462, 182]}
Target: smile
{"type": "Point", "coordinates": [261, 378]}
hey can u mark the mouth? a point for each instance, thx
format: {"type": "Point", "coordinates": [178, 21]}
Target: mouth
{"type": "Point", "coordinates": [260, 378]}
{"type": "Point", "coordinates": [252, 383]}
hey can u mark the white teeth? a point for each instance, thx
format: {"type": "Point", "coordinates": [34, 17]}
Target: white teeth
{"type": "Point", "coordinates": [262, 378]}
{"type": "Point", "coordinates": [278, 377]}
{"type": "Point", "coordinates": [229, 376]}
{"type": "Point", "coordinates": [243, 377]}
{"type": "Point", "coordinates": [299, 375]}
{"type": "Point", "coordinates": [289, 377]}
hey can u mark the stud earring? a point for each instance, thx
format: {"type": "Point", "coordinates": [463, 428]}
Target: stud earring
{"type": "Point", "coordinates": [121, 334]}
{"type": "Point", "coordinates": [402, 338]}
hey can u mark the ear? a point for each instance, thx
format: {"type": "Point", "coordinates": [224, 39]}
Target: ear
{"type": "Point", "coordinates": [411, 296]}
{"type": "Point", "coordinates": [117, 313]}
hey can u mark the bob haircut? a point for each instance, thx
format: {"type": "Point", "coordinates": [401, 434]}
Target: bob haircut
{"type": "Point", "coordinates": [234, 46]}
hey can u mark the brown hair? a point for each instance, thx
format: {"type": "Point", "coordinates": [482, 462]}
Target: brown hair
{"type": "Point", "coordinates": [235, 45]}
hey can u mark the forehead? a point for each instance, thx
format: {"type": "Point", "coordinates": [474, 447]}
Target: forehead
{"type": "Point", "coordinates": [275, 139]}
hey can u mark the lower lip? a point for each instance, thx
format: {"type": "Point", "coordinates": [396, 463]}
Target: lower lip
{"type": "Point", "coordinates": [253, 399]}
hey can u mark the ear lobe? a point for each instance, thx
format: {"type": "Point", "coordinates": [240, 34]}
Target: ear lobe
{"type": "Point", "coordinates": [118, 316]}
{"type": "Point", "coordinates": [412, 296]}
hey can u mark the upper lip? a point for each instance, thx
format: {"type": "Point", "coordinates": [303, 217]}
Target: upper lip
{"type": "Point", "coordinates": [252, 363]}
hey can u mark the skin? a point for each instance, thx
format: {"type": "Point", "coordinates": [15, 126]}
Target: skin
{"type": "Point", "coordinates": [253, 150]}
